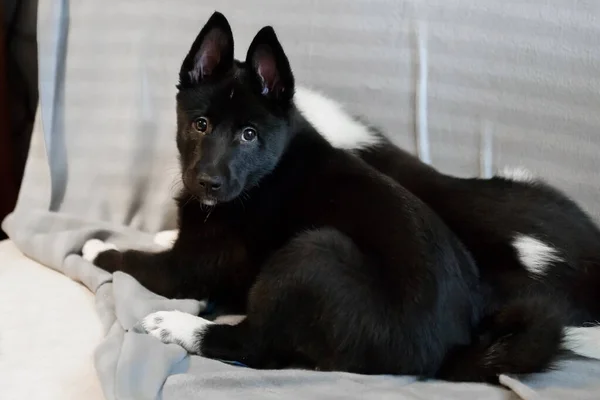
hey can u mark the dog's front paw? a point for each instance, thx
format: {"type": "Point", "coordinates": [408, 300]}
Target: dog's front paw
{"type": "Point", "coordinates": [177, 327]}
{"type": "Point", "coordinates": [93, 247]}
{"type": "Point", "coordinates": [102, 254]}
{"type": "Point", "coordinates": [166, 239]}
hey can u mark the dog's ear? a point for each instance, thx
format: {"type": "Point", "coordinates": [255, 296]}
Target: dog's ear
{"type": "Point", "coordinates": [210, 55]}
{"type": "Point", "coordinates": [271, 67]}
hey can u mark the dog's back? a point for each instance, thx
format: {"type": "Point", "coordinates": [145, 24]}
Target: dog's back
{"type": "Point", "coordinates": [522, 232]}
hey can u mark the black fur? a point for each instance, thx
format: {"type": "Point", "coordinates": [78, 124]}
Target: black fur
{"type": "Point", "coordinates": [486, 214]}
{"type": "Point", "coordinates": [337, 266]}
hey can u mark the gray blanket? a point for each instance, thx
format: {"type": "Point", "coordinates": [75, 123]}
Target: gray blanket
{"type": "Point", "coordinates": [102, 164]}
{"type": "Point", "coordinates": [134, 365]}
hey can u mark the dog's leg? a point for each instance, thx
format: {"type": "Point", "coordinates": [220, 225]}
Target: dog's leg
{"type": "Point", "coordinates": [157, 272]}
{"type": "Point", "coordinates": [199, 336]}
{"type": "Point", "coordinates": [314, 305]}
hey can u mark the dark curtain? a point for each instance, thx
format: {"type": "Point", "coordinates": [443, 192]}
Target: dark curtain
{"type": "Point", "coordinates": [18, 94]}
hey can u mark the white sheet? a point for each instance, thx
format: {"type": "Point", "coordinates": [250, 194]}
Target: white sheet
{"type": "Point", "coordinates": [48, 332]}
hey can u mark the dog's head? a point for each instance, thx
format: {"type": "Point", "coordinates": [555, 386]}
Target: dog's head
{"type": "Point", "coordinates": [232, 117]}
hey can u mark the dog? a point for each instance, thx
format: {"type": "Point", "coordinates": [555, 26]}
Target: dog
{"type": "Point", "coordinates": [523, 233]}
{"type": "Point", "coordinates": [336, 265]}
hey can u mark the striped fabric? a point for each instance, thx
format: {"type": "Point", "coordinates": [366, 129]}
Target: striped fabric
{"type": "Point", "coordinates": [525, 72]}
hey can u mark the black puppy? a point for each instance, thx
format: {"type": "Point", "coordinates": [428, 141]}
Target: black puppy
{"type": "Point", "coordinates": [524, 234]}
{"type": "Point", "coordinates": [337, 266]}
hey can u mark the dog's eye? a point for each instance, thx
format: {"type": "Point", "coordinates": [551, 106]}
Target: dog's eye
{"type": "Point", "coordinates": [248, 134]}
{"type": "Point", "coordinates": [201, 124]}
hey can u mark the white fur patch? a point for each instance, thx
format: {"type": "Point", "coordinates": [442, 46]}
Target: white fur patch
{"type": "Point", "coordinates": [229, 319]}
{"type": "Point", "coordinates": [584, 341]}
{"type": "Point", "coordinates": [518, 174]}
{"type": "Point", "coordinates": [209, 202]}
{"type": "Point", "coordinates": [93, 247]}
{"type": "Point", "coordinates": [331, 120]}
{"type": "Point", "coordinates": [534, 254]}
{"type": "Point", "coordinates": [177, 327]}
{"type": "Point", "coordinates": [166, 239]}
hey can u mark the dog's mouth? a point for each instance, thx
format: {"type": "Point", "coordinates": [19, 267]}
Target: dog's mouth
{"type": "Point", "coordinates": [199, 194]}
{"type": "Point", "coordinates": [209, 201]}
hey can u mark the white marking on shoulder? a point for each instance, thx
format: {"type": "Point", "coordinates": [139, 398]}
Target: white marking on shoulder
{"type": "Point", "coordinates": [93, 247]}
{"type": "Point", "coordinates": [584, 341]}
{"type": "Point", "coordinates": [334, 123]}
{"type": "Point", "coordinates": [166, 239]}
{"type": "Point", "coordinates": [177, 327]}
{"type": "Point", "coordinates": [518, 174]}
{"type": "Point", "coordinates": [535, 255]}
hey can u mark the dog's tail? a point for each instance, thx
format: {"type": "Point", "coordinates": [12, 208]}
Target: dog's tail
{"type": "Point", "coordinates": [584, 285]}
{"type": "Point", "coordinates": [527, 335]}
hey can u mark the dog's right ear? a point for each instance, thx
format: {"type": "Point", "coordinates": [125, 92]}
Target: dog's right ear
{"type": "Point", "coordinates": [210, 55]}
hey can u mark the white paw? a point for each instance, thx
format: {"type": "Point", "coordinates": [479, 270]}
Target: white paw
{"type": "Point", "coordinates": [177, 327]}
{"type": "Point", "coordinates": [166, 238]}
{"type": "Point", "coordinates": [93, 247]}
{"type": "Point", "coordinates": [229, 319]}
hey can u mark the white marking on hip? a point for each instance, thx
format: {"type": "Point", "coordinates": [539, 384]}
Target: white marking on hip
{"type": "Point", "coordinates": [535, 255]}
{"type": "Point", "coordinates": [584, 341]}
{"type": "Point", "coordinates": [518, 174]}
{"type": "Point", "coordinates": [93, 247]}
{"type": "Point", "coordinates": [177, 327]}
{"type": "Point", "coordinates": [334, 123]}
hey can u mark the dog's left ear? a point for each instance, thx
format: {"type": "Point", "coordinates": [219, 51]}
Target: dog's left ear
{"type": "Point", "coordinates": [272, 70]}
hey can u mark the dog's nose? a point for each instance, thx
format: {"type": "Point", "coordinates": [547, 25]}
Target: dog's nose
{"type": "Point", "coordinates": [210, 183]}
